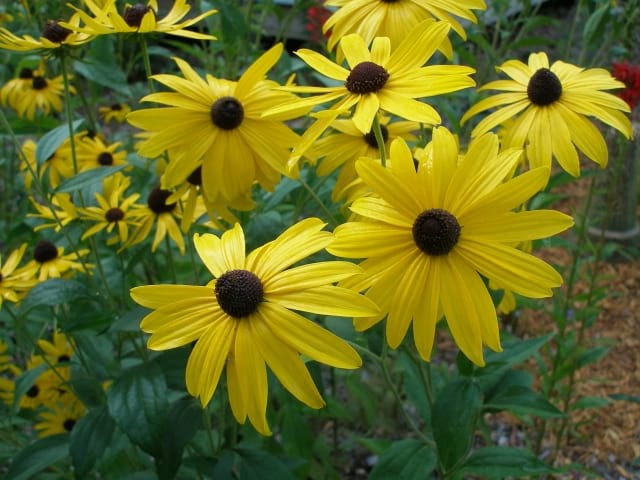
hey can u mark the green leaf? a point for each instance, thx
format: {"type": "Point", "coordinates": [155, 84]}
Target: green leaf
{"type": "Point", "coordinates": [590, 402]}
{"type": "Point", "coordinates": [453, 420]}
{"type": "Point", "coordinates": [592, 356]}
{"type": "Point", "coordinates": [90, 178]}
{"type": "Point", "coordinates": [129, 321]}
{"type": "Point", "coordinates": [53, 291]}
{"type": "Point", "coordinates": [39, 455]}
{"type": "Point", "coordinates": [405, 460]}
{"type": "Point", "coordinates": [625, 397]}
{"type": "Point", "coordinates": [257, 463]}
{"type": "Point", "coordinates": [595, 23]}
{"type": "Point", "coordinates": [87, 388]}
{"type": "Point", "coordinates": [182, 423]}
{"type": "Point", "coordinates": [503, 462]}
{"type": "Point", "coordinates": [24, 382]}
{"type": "Point", "coordinates": [51, 141]}
{"type": "Point", "coordinates": [108, 75]}
{"type": "Point", "coordinates": [522, 400]}
{"type": "Point", "coordinates": [89, 439]}
{"type": "Point", "coordinates": [138, 403]}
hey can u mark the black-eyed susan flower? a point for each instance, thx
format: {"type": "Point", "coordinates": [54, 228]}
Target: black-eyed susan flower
{"type": "Point", "coordinates": [41, 94]}
{"type": "Point", "coordinates": [15, 86]}
{"type": "Point", "coordinates": [59, 417]}
{"type": "Point", "coordinates": [113, 212]}
{"type": "Point", "coordinates": [341, 148]}
{"type": "Point", "coordinates": [15, 280]}
{"type": "Point", "coordinates": [380, 79]}
{"type": "Point", "coordinates": [158, 212]}
{"type": "Point", "coordinates": [95, 153]}
{"type": "Point", "coordinates": [140, 18]}
{"type": "Point", "coordinates": [59, 351]}
{"type": "Point", "coordinates": [436, 231]}
{"type": "Point", "coordinates": [551, 105]}
{"type": "Point", "coordinates": [218, 124]}
{"type": "Point", "coordinates": [52, 36]}
{"type": "Point", "coordinates": [394, 19]}
{"type": "Point", "coordinates": [115, 112]}
{"type": "Point", "coordinates": [50, 261]}
{"type": "Point", "coordinates": [243, 317]}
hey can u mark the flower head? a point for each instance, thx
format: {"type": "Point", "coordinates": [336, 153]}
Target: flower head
{"type": "Point", "coordinates": [243, 317]}
{"type": "Point", "coordinates": [15, 281]}
{"type": "Point", "coordinates": [551, 105]}
{"type": "Point", "coordinates": [116, 111]}
{"type": "Point", "coordinates": [52, 36]}
{"type": "Point", "coordinates": [436, 230]}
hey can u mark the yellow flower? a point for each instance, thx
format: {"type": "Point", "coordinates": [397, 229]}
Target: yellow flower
{"type": "Point", "coordinates": [60, 417]}
{"type": "Point", "coordinates": [14, 281]}
{"type": "Point", "coordinates": [42, 94]}
{"type": "Point", "coordinates": [60, 212]}
{"type": "Point", "coordinates": [53, 35]}
{"type": "Point", "coordinates": [394, 19]}
{"type": "Point", "coordinates": [56, 168]}
{"type": "Point", "coordinates": [95, 153]}
{"type": "Point", "coordinates": [140, 18]}
{"type": "Point", "coordinates": [57, 352]}
{"type": "Point", "coordinates": [116, 111]}
{"type": "Point", "coordinates": [113, 210]}
{"type": "Point", "coordinates": [16, 86]}
{"type": "Point", "coordinates": [341, 149]}
{"type": "Point", "coordinates": [436, 231]}
{"type": "Point", "coordinates": [550, 105]}
{"type": "Point", "coordinates": [50, 261]}
{"type": "Point", "coordinates": [242, 318]}
{"type": "Point", "coordinates": [379, 79]}
{"type": "Point", "coordinates": [218, 124]}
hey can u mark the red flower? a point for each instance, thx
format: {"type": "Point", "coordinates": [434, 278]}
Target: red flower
{"type": "Point", "coordinates": [316, 16]}
{"type": "Point", "coordinates": [630, 76]}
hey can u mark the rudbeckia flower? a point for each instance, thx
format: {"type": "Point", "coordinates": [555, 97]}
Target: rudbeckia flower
{"type": "Point", "coordinates": [15, 86]}
{"type": "Point", "coordinates": [53, 36]}
{"type": "Point", "coordinates": [243, 318]}
{"type": "Point", "coordinates": [59, 417]}
{"type": "Point", "coordinates": [551, 105]}
{"type": "Point", "coordinates": [116, 111]}
{"type": "Point", "coordinates": [95, 153]}
{"type": "Point", "coordinates": [50, 261]}
{"type": "Point", "coordinates": [140, 18]}
{"type": "Point", "coordinates": [58, 351]}
{"type": "Point", "coordinates": [436, 231]}
{"type": "Point", "coordinates": [380, 79]}
{"type": "Point", "coordinates": [14, 280]}
{"type": "Point", "coordinates": [394, 19]}
{"type": "Point", "coordinates": [218, 124]}
{"type": "Point", "coordinates": [59, 212]}
{"type": "Point", "coordinates": [40, 94]}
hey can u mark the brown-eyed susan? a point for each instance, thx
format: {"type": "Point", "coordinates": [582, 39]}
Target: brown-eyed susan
{"type": "Point", "coordinates": [550, 106]}
{"type": "Point", "coordinates": [95, 153]}
{"type": "Point", "coordinates": [52, 36]}
{"type": "Point", "coordinates": [50, 261]}
{"type": "Point", "coordinates": [394, 19]}
{"type": "Point", "coordinates": [158, 212]}
{"type": "Point", "coordinates": [59, 351]}
{"type": "Point", "coordinates": [243, 318]}
{"type": "Point", "coordinates": [380, 79]}
{"type": "Point", "coordinates": [59, 417]}
{"type": "Point", "coordinates": [54, 169]}
{"type": "Point", "coordinates": [40, 95]}
{"type": "Point", "coordinates": [15, 86]}
{"type": "Point", "coordinates": [114, 212]}
{"type": "Point", "coordinates": [15, 280]}
{"type": "Point", "coordinates": [218, 124]}
{"type": "Point", "coordinates": [115, 112]}
{"type": "Point", "coordinates": [435, 231]}
{"type": "Point", "coordinates": [341, 148]}
{"type": "Point", "coordinates": [140, 18]}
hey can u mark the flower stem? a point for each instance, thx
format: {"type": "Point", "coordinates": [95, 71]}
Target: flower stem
{"type": "Point", "coordinates": [319, 201]}
{"type": "Point", "coordinates": [377, 132]}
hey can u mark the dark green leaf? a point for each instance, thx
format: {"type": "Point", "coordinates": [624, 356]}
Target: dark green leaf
{"type": "Point", "coordinates": [24, 382]}
{"type": "Point", "coordinates": [522, 400]}
{"type": "Point", "coordinates": [90, 178]}
{"type": "Point", "coordinates": [89, 439]}
{"type": "Point", "coordinates": [108, 75]}
{"type": "Point", "coordinates": [129, 321]}
{"type": "Point", "coordinates": [592, 356]}
{"type": "Point", "coordinates": [595, 23]}
{"type": "Point", "coordinates": [39, 455]}
{"type": "Point", "coordinates": [53, 291]}
{"type": "Point", "coordinates": [257, 463]}
{"type": "Point", "coordinates": [625, 397]}
{"type": "Point", "coordinates": [138, 403]}
{"type": "Point", "coordinates": [51, 141]}
{"type": "Point", "coordinates": [87, 388]}
{"type": "Point", "coordinates": [405, 460]}
{"type": "Point", "coordinates": [453, 420]}
{"type": "Point", "coordinates": [502, 462]}
{"type": "Point", "coordinates": [590, 402]}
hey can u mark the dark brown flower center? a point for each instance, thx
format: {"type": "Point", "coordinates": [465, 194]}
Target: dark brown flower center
{"type": "Point", "coordinates": [68, 424]}
{"type": "Point", "coordinates": [157, 201]}
{"type": "Point", "coordinates": [227, 113]}
{"type": "Point", "coordinates": [54, 32]}
{"type": "Point", "coordinates": [105, 158]}
{"type": "Point", "coordinates": [239, 292]}
{"type": "Point", "coordinates": [436, 231]}
{"type": "Point", "coordinates": [25, 73]}
{"type": "Point", "coordinates": [196, 177]}
{"type": "Point", "coordinates": [116, 107]}
{"type": "Point", "coordinates": [33, 391]}
{"type": "Point", "coordinates": [544, 87]}
{"type": "Point", "coordinates": [39, 83]}
{"type": "Point", "coordinates": [63, 358]}
{"type": "Point", "coordinates": [45, 251]}
{"type": "Point", "coordinates": [114, 215]}
{"type": "Point", "coordinates": [370, 137]}
{"type": "Point", "coordinates": [366, 77]}
{"type": "Point", "coordinates": [133, 15]}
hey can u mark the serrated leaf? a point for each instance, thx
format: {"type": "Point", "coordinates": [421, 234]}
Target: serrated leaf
{"type": "Point", "coordinates": [53, 291]}
{"type": "Point", "coordinates": [37, 456]}
{"type": "Point", "coordinates": [405, 460]}
{"type": "Point", "coordinates": [90, 178]}
{"type": "Point", "coordinates": [453, 420]}
{"type": "Point", "coordinates": [503, 462]}
{"type": "Point", "coordinates": [138, 403]}
{"type": "Point", "coordinates": [89, 439]}
{"type": "Point", "coordinates": [522, 400]}
{"type": "Point", "coordinates": [51, 141]}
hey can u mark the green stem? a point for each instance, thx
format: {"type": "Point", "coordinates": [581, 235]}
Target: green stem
{"type": "Point", "coordinates": [377, 132]}
{"type": "Point", "coordinates": [172, 267]}
{"type": "Point", "coordinates": [68, 111]}
{"type": "Point", "coordinates": [146, 59]}
{"type": "Point", "coordinates": [319, 201]}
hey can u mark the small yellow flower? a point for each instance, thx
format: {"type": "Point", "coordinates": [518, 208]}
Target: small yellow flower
{"type": "Point", "coordinates": [53, 35]}
{"type": "Point", "coordinates": [15, 281]}
{"type": "Point", "coordinates": [116, 112]}
{"type": "Point", "coordinates": [50, 261]}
